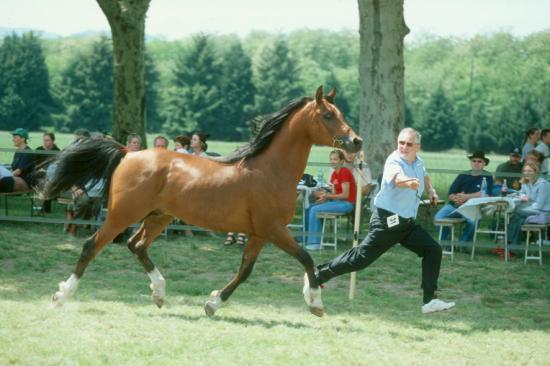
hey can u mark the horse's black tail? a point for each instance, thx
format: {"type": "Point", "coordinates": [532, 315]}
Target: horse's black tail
{"type": "Point", "coordinates": [87, 161]}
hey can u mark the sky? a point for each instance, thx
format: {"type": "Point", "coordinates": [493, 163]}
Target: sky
{"type": "Point", "coordinates": [174, 19]}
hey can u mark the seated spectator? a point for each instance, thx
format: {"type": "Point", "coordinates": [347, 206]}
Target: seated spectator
{"type": "Point", "coordinates": [87, 203]}
{"type": "Point", "coordinates": [544, 148]}
{"type": "Point", "coordinates": [22, 165]}
{"type": "Point", "coordinates": [366, 182]}
{"type": "Point", "coordinates": [133, 142]}
{"type": "Point", "coordinates": [182, 144]}
{"type": "Point", "coordinates": [340, 199]}
{"type": "Point", "coordinates": [198, 144]}
{"type": "Point", "coordinates": [513, 165]}
{"type": "Point", "coordinates": [48, 144]}
{"type": "Point", "coordinates": [230, 239]}
{"type": "Point", "coordinates": [531, 137]}
{"type": "Point", "coordinates": [465, 186]}
{"type": "Point", "coordinates": [160, 142]}
{"type": "Point", "coordinates": [535, 198]}
{"type": "Point", "coordinates": [534, 156]}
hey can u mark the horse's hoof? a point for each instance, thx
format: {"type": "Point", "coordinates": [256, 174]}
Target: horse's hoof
{"type": "Point", "coordinates": [317, 311]}
{"type": "Point", "coordinates": [56, 301]}
{"type": "Point", "coordinates": [159, 301]}
{"type": "Point", "coordinates": [213, 304]}
{"type": "Point", "coordinates": [209, 308]}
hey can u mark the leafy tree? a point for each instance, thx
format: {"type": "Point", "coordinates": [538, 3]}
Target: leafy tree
{"type": "Point", "coordinates": [479, 136]}
{"type": "Point", "coordinates": [341, 98]}
{"type": "Point", "coordinates": [194, 100]}
{"type": "Point", "coordinates": [237, 92]}
{"type": "Point", "coordinates": [275, 78]}
{"type": "Point", "coordinates": [86, 90]}
{"type": "Point", "coordinates": [153, 118]}
{"type": "Point", "coordinates": [25, 98]}
{"type": "Point", "coordinates": [438, 128]}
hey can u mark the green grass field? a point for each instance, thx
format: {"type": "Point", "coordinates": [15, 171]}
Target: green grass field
{"type": "Point", "coordinates": [502, 315]}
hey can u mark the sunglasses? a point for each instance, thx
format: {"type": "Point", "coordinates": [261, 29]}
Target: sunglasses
{"type": "Point", "coordinates": [409, 144]}
{"type": "Point", "coordinates": [477, 161]}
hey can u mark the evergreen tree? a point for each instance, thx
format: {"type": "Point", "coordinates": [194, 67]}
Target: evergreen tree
{"type": "Point", "coordinates": [152, 80]}
{"type": "Point", "coordinates": [237, 92]}
{"type": "Point", "coordinates": [25, 98]}
{"type": "Point", "coordinates": [439, 128]}
{"type": "Point", "coordinates": [479, 136]}
{"type": "Point", "coordinates": [194, 100]}
{"type": "Point", "coordinates": [276, 78]}
{"type": "Point", "coordinates": [86, 90]}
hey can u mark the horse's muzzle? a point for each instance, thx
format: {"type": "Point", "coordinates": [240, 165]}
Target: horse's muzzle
{"type": "Point", "coordinates": [351, 145]}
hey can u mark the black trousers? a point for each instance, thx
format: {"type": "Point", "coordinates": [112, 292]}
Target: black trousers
{"type": "Point", "coordinates": [379, 239]}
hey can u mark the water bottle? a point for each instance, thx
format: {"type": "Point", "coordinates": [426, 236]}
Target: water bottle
{"type": "Point", "coordinates": [320, 182]}
{"type": "Point", "coordinates": [504, 189]}
{"type": "Point", "coordinates": [484, 187]}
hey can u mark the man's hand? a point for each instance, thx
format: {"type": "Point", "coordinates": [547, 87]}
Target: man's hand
{"type": "Point", "coordinates": [433, 197]}
{"type": "Point", "coordinates": [459, 198]}
{"type": "Point", "coordinates": [16, 172]}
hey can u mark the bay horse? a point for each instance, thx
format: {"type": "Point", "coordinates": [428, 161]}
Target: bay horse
{"type": "Point", "coordinates": [252, 190]}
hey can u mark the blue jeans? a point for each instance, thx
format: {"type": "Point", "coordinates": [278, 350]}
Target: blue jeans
{"type": "Point", "coordinates": [447, 212]}
{"type": "Point", "coordinates": [313, 224]}
{"type": "Point", "coordinates": [516, 220]}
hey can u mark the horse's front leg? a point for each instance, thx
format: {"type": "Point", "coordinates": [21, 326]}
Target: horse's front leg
{"type": "Point", "coordinates": [250, 254]}
{"type": "Point", "coordinates": [311, 290]}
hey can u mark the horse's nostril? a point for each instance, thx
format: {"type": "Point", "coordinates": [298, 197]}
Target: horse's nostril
{"type": "Point", "coordinates": [358, 141]}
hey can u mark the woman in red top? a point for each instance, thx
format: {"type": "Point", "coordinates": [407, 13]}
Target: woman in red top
{"type": "Point", "coordinates": [340, 199]}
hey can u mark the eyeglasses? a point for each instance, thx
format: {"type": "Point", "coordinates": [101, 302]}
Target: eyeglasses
{"type": "Point", "coordinates": [477, 161]}
{"type": "Point", "coordinates": [409, 144]}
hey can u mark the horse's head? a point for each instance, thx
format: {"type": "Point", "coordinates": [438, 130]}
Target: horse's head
{"type": "Point", "coordinates": [329, 126]}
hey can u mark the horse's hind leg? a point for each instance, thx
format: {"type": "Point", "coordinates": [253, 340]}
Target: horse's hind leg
{"type": "Point", "coordinates": [151, 227]}
{"type": "Point", "coordinates": [250, 254]}
{"type": "Point", "coordinates": [311, 291]}
{"type": "Point", "coordinates": [91, 248]}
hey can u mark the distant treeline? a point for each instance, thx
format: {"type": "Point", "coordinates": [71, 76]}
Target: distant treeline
{"type": "Point", "coordinates": [480, 92]}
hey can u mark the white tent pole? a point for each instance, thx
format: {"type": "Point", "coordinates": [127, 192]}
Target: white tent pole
{"type": "Point", "coordinates": [358, 173]}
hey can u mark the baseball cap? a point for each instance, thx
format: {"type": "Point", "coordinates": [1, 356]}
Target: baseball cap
{"type": "Point", "coordinates": [20, 132]}
{"type": "Point", "coordinates": [515, 151]}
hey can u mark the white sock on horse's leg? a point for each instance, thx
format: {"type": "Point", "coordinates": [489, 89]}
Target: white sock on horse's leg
{"type": "Point", "coordinates": [66, 290]}
{"type": "Point", "coordinates": [158, 286]}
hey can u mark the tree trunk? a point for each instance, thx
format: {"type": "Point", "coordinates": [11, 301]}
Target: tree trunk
{"type": "Point", "coordinates": [382, 29]}
{"type": "Point", "coordinates": [127, 21]}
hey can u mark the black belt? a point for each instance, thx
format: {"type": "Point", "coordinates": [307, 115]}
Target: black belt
{"type": "Point", "coordinates": [385, 213]}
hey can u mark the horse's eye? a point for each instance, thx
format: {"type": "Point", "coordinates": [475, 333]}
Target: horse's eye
{"type": "Point", "coordinates": [328, 115]}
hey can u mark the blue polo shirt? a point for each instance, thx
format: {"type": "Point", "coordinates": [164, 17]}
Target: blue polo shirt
{"type": "Point", "coordinates": [402, 201]}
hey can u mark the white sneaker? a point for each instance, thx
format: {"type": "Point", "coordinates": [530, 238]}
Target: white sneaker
{"type": "Point", "coordinates": [436, 305]}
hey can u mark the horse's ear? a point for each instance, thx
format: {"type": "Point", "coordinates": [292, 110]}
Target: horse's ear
{"type": "Point", "coordinates": [331, 95]}
{"type": "Point", "coordinates": [319, 95]}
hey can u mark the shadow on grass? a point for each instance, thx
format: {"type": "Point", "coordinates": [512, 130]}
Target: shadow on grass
{"type": "Point", "coordinates": [490, 295]}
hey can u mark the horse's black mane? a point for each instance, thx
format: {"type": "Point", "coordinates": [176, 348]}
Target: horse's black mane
{"type": "Point", "coordinates": [270, 125]}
